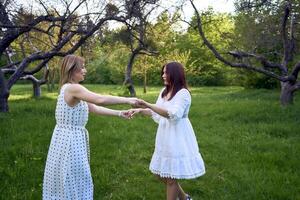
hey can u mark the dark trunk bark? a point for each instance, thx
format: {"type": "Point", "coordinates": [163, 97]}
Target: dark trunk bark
{"type": "Point", "coordinates": [4, 103]}
{"type": "Point", "coordinates": [4, 94]}
{"type": "Point", "coordinates": [287, 94]}
{"type": "Point", "coordinates": [50, 82]}
{"type": "Point", "coordinates": [145, 82]}
{"type": "Point", "coordinates": [36, 89]}
{"type": "Point", "coordinates": [128, 81]}
{"type": "Point", "coordinates": [36, 84]}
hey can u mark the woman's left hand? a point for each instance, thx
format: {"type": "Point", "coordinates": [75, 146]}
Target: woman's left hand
{"type": "Point", "coordinates": [142, 104]}
{"type": "Point", "coordinates": [132, 101]}
{"type": "Point", "coordinates": [127, 114]}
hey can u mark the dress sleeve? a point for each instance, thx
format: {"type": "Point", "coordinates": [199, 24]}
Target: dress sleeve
{"type": "Point", "coordinates": [181, 102]}
{"type": "Point", "coordinates": [156, 117]}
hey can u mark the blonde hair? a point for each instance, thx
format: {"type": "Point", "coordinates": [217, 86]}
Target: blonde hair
{"type": "Point", "coordinates": [70, 63]}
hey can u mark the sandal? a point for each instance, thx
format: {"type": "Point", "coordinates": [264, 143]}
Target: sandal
{"type": "Point", "coordinates": [188, 197]}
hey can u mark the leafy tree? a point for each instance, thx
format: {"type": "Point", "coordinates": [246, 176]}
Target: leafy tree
{"type": "Point", "coordinates": [73, 30]}
{"type": "Point", "coordinates": [203, 68]}
{"type": "Point", "coordinates": [286, 70]}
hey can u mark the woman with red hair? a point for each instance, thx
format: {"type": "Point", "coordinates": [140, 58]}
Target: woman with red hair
{"type": "Point", "coordinates": [176, 155]}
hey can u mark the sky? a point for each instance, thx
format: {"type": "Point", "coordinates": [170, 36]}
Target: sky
{"type": "Point", "coordinates": [188, 11]}
{"type": "Point", "coordinates": [217, 5]}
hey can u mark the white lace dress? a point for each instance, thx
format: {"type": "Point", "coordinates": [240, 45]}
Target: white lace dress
{"type": "Point", "coordinates": [67, 172]}
{"type": "Point", "coordinates": [176, 153]}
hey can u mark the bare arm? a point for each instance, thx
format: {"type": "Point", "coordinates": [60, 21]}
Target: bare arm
{"type": "Point", "coordinates": [76, 92]}
{"type": "Point", "coordinates": [159, 110]}
{"type": "Point", "coordinates": [99, 110]}
{"type": "Point", "coordinates": [143, 111]}
{"type": "Point", "coordinates": [179, 104]}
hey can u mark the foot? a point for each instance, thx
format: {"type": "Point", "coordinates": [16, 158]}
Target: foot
{"type": "Point", "coordinates": [188, 197]}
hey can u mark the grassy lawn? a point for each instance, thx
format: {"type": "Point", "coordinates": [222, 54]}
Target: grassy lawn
{"type": "Point", "coordinates": [250, 145]}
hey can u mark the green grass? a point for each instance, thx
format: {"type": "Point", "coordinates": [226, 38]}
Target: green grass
{"type": "Point", "coordinates": [250, 145]}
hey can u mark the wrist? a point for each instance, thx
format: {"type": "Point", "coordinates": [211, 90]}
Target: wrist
{"type": "Point", "coordinates": [119, 113]}
{"type": "Point", "coordinates": [149, 105]}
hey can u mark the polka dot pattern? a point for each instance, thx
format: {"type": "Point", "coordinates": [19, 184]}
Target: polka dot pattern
{"type": "Point", "coordinates": [67, 172]}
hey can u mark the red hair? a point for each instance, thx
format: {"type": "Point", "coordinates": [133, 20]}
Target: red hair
{"type": "Point", "coordinates": [175, 77]}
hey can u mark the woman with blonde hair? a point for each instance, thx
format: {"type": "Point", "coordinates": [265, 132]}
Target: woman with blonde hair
{"type": "Point", "coordinates": [67, 172]}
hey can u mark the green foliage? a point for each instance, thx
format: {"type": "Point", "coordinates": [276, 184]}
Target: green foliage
{"type": "Point", "coordinates": [250, 79]}
{"type": "Point", "coordinates": [107, 52]}
{"type": "Point", "coordinates": [108, 65]}
{"type": "Point", "coordinates": [258, 30]}
{"type": "Point", "coordinates": [3, 61]}
{"type": "Point", "coordinates": [249, 143]}
{"type": "Point", "coordinates": [203, 68]}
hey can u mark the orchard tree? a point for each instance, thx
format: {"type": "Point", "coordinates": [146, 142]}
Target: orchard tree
{"type": "Point", "coordinates": [281, 65]}
{"type": "Point", "coordinates": [137, 33]}
{"type": "Point", "coordinates": [67, 29]}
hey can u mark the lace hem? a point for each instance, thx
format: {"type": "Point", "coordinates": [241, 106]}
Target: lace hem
{"type": "Point", "coordinates": [167, 175]}
{"type": "Point", "coordinates": [177, 168]}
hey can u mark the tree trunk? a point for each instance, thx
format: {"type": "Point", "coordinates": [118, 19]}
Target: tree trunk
{"type": "Point", "coordinates": [128, 81]}
{"type": "Point", "coordinates": [145, 82]}
{"type": "Point", "coordinates": [287, 94]}
{"type": "Point", "coordinates": [51, 81]}
{"type": "Point", "coordinates": [36, 89]}
{"type": "Point", "coordinates": [4, 94]}
{"type": "Point", "coordinates": [4, 103]}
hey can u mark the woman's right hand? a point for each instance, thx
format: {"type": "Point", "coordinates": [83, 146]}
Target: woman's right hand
{"type": "Point", "coordinates": [142, 104]}
{"type": "Point", "coordinates": [127, 114]}
{"type": "Point", "coordinates": [134, 111]}
{"type": "Point", "coordinates": [132, 101]}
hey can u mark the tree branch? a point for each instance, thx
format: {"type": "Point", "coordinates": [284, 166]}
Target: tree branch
{"type": "Point", "coordinates": [285, 41]}
{"type": "Point", "coordinates": [13, 34]}
{"type": "Point", "coordinates": [37, 56]}
{"type": "Point", "coordinates": [73, 49]}
{"type": "Point", "coordinates": [222, 59]}
{"type": "Point", "coordinates": [295, 87]}
{"type": "Point", "coordinates": [265, 63]}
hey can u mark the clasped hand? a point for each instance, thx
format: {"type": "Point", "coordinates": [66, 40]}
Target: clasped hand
{"type": "Point", "coordinates": [138, 104]}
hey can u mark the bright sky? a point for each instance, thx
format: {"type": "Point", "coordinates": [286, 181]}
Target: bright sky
{"type": "Point", "coordinates": [218, 5]}
{"type": "Point", "coordinates": [188, 11]}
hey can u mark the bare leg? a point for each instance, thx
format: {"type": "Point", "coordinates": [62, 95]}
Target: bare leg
{"type": "Point", "coordinates": [161, 179]}
{"type": "Point", "coordinates": [172, 189]}
{"type": "Point", "coordinates": [181, 194]}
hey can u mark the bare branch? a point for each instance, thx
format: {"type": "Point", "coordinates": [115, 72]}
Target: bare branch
{"type": "Point", "coordinates": [265, 63]}
{"type": "Point", "coordinates": [9, 37]}
{"type": "Point", "coordinates": [247, 4]}
{"type": "Point", "coordinates": [8, 70]}
{"type": "Point", "coordinates": [52, 53]}
{"type": "Point", "coordinates": [148, 52]}
{"type": "Point", "coordinates": [296, 87]}
{"type": "Point", "coordinates": [225, 61]}
{"type": "Point", "coordinates": [4, 19]}
{"type": "Point", "coordinates": [37, 56]}
{"type": "Point", "coordinates": [286, 43]}
{"type": "Point", "coordinates": [294, 74]}
{"type": "Point", "coordinates": [44, 6]}
{"type": "Point", "coordinates": [11, 65]}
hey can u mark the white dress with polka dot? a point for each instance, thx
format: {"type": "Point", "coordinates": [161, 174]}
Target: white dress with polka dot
{"type": "Point", "coordinates": [67, 172]}
{"type": "Point", "coordinates": [176, 153]}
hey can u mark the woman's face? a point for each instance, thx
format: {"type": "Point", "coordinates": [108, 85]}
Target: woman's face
{"type": "Point", "coordinates": [79, 74]}
{"type": "Point", "coordinates": [165, 76]}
